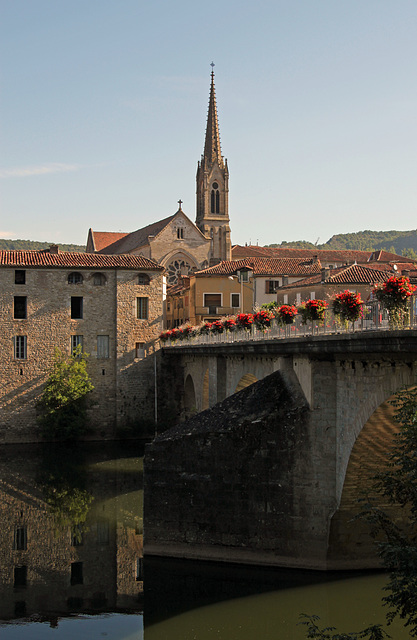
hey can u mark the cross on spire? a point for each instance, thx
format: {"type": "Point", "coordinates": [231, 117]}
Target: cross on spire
{"type": "Point", "coordinates": [212, 65]}
{"type": "Point", "coordinates": [180, 203]}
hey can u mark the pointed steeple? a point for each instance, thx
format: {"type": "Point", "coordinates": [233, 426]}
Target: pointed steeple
{"type": "Point", "coordinates": [212, 149]}
{"type": "Point", "coordinates": [213, 188]}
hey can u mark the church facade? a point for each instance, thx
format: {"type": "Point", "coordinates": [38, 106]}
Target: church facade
{"type": "Point", "coordinates": [175, 242]}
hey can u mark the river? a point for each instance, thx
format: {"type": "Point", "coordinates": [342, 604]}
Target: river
{"type": "Point", "coordinates": [71, 564]}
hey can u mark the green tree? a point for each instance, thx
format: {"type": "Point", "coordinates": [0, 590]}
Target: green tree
{"type": "Point", "coordinates": [374, 632]}
{"type": "Point", "coordinates": [397, 540]}
{"type": "Point", "coordinates": [63, 403]}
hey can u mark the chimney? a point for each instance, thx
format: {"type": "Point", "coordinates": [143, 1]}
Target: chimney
{"type": "Point", "coordinates": [284, 280]}
{"type": "Point", "coordinates": [325, 274]}
{"type": "Point", "coordinates": [54, 248]}
{"type": "Point", "coordinates": [315, 258]}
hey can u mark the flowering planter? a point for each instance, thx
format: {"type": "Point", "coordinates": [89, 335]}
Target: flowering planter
{"type": "Point", "coordinates": [394, 294]}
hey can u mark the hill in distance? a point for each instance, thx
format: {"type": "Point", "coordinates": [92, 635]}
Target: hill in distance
{"type": "Point", "coordinates": [404, 243]}
{"type": "Point", "coordinates": [27, 245]}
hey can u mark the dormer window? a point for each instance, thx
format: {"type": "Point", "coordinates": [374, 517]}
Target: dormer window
{"type": "Point", "coordinates": [75, 278]}
{"type": "Point", "coordinates": [180, 233]}
{"type": "Point", "coordinates": [143, 278]}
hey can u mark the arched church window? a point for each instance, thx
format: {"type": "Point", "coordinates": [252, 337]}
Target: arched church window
{"type": "Point", "coordinates": [213, 201]}
{"type": "Point", "coordinates": [180, 233]}
{"type": "Point", "coordinates": [217, 202]}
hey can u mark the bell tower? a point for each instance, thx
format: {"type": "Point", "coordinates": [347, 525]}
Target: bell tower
{"type": "Point", "coordinates": [213, 188]}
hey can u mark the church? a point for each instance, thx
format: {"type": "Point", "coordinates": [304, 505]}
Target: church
{"type": "Point", "coordinates": [175, 242]}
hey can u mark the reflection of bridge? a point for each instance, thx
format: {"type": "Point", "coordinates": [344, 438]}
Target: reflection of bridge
{"type": "Point", "coordinates": [342, 380]}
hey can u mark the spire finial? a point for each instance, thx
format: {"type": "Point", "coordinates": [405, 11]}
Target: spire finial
{"type": "Point", "coordinates": [180, 203]}
{"type": "Point", "coordinates": [212, 65]}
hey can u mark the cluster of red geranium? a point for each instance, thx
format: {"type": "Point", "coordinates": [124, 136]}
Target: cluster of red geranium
{"type": "Point", "coordinates": [395, 291]}
{"type": "Point", "coordinates": [286, 313]}
{"type": "Point", "coordinates": [263, 319]}
{"type": "Point", "coordinates": [348, 305]}
{"type": "Point", "coordinates": [244, 320]}
{"type": "Point", "coordinates": [313, 310]}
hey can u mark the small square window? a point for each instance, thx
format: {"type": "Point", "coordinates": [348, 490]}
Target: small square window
{"type": "Point", "coordinates": [103, 343]}
{"type": "Point", "coordinates": [20, 576]}
{"type": "Point", "coordinates": [20, 539]}
{"type": "Point", "coordinates": [20, 308]}
{"type": "Point", "coordinates": [103, 532]}
{"type": "Point", "coordinates": [76, 573]}
{"type": "Point", "coordinates": [143, 278]}
{"type": "Point", "coordinates": [76, 307]}
{"type": "Point", "coordinates": [75, 342]}
{"type": "Point", "coordinates": [139, 569]}
{"type": "Point", "coordinates": [140, 350]}
{"type": "Point", "coordinates": [20, 347]}
{"type": "Point", "coordinates": [142, 308]}
{"type": "Point", "coordinates": [20, 276]}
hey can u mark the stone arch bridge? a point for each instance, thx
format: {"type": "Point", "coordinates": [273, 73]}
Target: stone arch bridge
{"type": "Point", "coordinates": [338, 384]}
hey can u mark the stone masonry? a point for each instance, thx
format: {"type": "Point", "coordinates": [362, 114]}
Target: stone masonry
{"type": "Point", "coordinates": [108, 287]}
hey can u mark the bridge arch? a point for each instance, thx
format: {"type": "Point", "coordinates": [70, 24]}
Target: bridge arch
{"type": "Point", "coordinates": [245, 381]}
{"type": "Point", "coordinates": [363, 387]}
{"type": "Point", "coordinates": [349, 538]}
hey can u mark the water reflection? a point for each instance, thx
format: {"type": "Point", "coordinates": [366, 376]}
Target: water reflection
{"type": "Point", "coordinates": [71, 535]}
{"type": "Point", "coordinates": [71, 564]}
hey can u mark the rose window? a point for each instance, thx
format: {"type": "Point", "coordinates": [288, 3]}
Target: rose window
{"type": "Point", "coordinates": [177, 268]}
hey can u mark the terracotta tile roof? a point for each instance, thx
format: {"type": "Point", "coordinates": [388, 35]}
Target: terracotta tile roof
{"type": "Point", "coordinates": [264, 267]}
{"type": "Point", "coordinates": [103, 239]}
{"type": "Point", "coordinates": [75, 260]}
{"type": "Point", "coordinates": [354, 274]}
{"type": "Point", "coordinates": [347, 256]}
{"type": "Point", "coordinates": [130, 241]}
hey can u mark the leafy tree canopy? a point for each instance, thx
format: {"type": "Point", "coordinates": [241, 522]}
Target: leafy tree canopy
{"type": "Point", "coordinates": [62, 405]}
{"type": "Point", "coordinates": [400, 242]}
{"type": "Point", "coordinates": [28, 245]}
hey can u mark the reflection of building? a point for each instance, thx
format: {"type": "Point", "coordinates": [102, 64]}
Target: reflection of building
{"type": "Point", "coordinates": [52, 568]}
{"type": "Point", "coordinates": [111, 305]}
{"type": "Point", "coordinates": [175, 242]}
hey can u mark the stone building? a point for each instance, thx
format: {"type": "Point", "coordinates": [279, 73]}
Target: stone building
{"type": "Point", "coordinates": [175, 242]}
{"type": "Point", "coordinates": [111, 305]}
{"type": "Point", "coordinates": [233, 286]}
{"type": "Point", "coordinates": [355, 277]}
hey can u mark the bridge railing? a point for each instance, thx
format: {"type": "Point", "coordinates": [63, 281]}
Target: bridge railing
{"type": "Point", "coordinates": [375, 318]}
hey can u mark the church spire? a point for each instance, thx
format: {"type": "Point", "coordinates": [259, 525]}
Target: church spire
{"type": "Point", "coordinates": [212, 149]}
{"type": "Point", "coordinates": [213, 188]}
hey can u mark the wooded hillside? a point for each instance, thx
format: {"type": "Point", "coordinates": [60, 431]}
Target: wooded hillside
{"type": "Point", "coordinates": [25, 245]}
{"type": "Point", "coordinates": [400, 242]}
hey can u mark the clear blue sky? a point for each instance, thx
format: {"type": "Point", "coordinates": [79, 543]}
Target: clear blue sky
{"type": "Point", "coordinates": [103, 108]}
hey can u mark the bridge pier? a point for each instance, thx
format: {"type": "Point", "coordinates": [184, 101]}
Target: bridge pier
{"type": "Point", "coordinates": [261, 477]}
